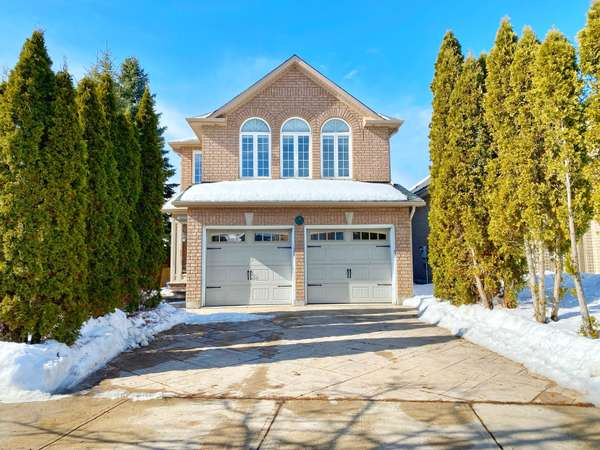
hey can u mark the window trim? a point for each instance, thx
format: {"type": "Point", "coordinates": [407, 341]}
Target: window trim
{"type": "Point", "coordinates": [255, 135]}
{"type": "Point", "coordinates": [336, 135]}
{"type": "Point", "coordinates": [194, 153]}
{"type": "Point", "coordinates": [295, 135]}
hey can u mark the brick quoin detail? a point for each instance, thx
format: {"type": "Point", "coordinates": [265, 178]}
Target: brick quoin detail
{"type": "Point", "coordinates": [201, 217]}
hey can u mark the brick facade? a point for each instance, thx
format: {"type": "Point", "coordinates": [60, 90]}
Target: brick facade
{"type": "Point", "coordinates": [202, 217]}
{"type": "Point", "coordinates": [294, 94]}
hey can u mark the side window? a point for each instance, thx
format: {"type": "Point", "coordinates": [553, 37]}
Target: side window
{"type": "Point", "coordinates": [255, 149]}
{"type": "Point", "coordinates": [197, 167]}
{"type": "Point", "coordinates": [295, 148]}
{"type": "Point", "coordinates": [368, 236]}
{"type": "Point", "coordinates": [327, 236]}
{"type": "Point", "coordinates": [228, 237]}
{"type": "Point", "coordinates": [335, 149]}
{"type": "Point", "coordinates": [267, 236]}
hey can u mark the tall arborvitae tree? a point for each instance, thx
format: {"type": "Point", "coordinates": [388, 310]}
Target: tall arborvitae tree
{"type": "Point", "coordinates": [133, 80]}
{"type": "Point", "coordinates": [124, 165]}
{"type": "Point", "coordinates": [499, 117]}
{"type": "Point", "coordinates": [557, 90]}
{"type": "Point", "coordinates": [520, 202]}
{"type": "Point", "coordinates": [441, 240]}
{"type": "Point", "coordinates": [589, 40]}
{"type": "Point", "coordinates": [149, 216]}
{"type": "Point", "coordinates": [25, 116]}
{"type": "Point", "coordinates": [469, 153]}
{"type": "Point", "coordinates": [103, 233]}
{"type": "Point", "coordinates": [65, 237]}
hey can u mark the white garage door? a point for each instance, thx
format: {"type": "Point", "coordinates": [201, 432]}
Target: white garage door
{"type": "Point", "coordinates": [349, 266]}
{"type": "Point", "coordinates": [248, 267]}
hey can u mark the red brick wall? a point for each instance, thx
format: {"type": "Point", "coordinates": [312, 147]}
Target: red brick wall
{"type": "Point", "coordinates": [199, 217]}
{"type": "Point", "coordinates": [295, 95]}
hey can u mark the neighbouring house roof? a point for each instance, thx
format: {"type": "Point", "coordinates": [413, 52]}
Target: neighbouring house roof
{"type": "Point", "coordinates": [295, 191]}
{"type": "Point", "coordinates": [371, 117]}
{"type": "Point", "coordinates": [420, 185]}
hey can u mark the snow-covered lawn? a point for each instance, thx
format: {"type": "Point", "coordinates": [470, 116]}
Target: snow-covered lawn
{"type": "Point", "coordinates": [554, 350]}
{"type": "Point", "coordinates": [35, 372]}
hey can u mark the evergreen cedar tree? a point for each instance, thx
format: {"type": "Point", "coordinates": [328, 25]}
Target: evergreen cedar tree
{"type": "Point", "coordinates": [42, 202]}
{"type": "Point", "coordinates": [149, 217]}
{"type": "Point", "coordinates": [125, 186]}
{"type": "Point", "coordinates": [467, 153]}
{"type": "Point", "coordinates": [589, 48]}
{"type": "Point", "coordinates": [506, 247]}
{"type": "Point", "coordinates": [558, 90]}
{"type": "Point", "coordinates": [441, 240]}
{"type": "Point", "coordinates": [102, 220]}
{"type": "Point", "coordinates": [74, 197]}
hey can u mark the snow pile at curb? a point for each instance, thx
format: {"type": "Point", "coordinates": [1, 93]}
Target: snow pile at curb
{"type": "Point", "coordinates": [571, 360]}
{"type": "Point", "coordinates": [34, 372]}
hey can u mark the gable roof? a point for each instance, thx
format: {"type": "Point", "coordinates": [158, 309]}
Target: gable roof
{"type": "Point", "coordinates": [421, 185]}
{"type": "Point", "coordinates": [371, 117]}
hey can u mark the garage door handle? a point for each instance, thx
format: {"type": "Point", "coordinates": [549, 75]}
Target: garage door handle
{"type": "Point", "coordinates": [313, 246]}
{"type": "Point", "coordinates": [385, 246]}
{"type": "Point", "coordinates": [384, 284]}
{"type": "Point", "coordinates": [289, 246]}
{"type": "Point", "coordinates": [213, 287]}
{"type": "Point", "coordinates": [309, 284]}
{"type": "Point", "coordinates": [213, 248]}
{"type": "Point", "coordinates": [284, 285]}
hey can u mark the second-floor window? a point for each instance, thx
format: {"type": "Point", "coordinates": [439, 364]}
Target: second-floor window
{"type": "Point", "coordinates": [255, 149]}
{"type": "Point", "coordinates": [295, 148]}
{"type": "Point", "coordinates": [335, 149]}
{"type": "Point", "coordinates": [197, 168]}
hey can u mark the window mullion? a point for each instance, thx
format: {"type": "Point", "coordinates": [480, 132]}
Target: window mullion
{"type": "Point", "coordinates": [255, 154]}
{"type": "Point", "coordinates": [296, 157]}
{"type": "Point", "coordinates": [335, 155]}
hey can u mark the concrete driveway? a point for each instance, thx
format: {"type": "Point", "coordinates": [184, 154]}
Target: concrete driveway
{"type": "Point", "coordinates": [310, 377]}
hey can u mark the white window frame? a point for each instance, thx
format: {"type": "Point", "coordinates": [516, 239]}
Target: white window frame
{"type": "Point", "coordinates": [295, 135]}
{"type": "Point", "coordinates": [194, 154]}
{"type": "Point", "coordinates": [335, 136]}
{"type": "Point", "coordinates": [255, 135]}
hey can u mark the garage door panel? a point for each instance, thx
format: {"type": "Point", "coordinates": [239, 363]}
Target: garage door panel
{"type": "Point", "coordinates": [350, 270]}
{"type": "Point", "coordinates": [246, 273]}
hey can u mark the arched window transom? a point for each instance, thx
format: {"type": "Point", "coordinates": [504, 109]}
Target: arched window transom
{"type": "Point", "coordinates": [335, 149]}
{"type": "Point", "coordinates": [295, 148]}
{"type": "Point", "coordinates": [255, 149]}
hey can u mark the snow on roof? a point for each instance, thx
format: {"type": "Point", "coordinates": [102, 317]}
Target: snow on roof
{"type": "Point", "coordinates": [421, 184]}
{"type": "Point", "coordinates": [168, 205]}
{"type": "Point", "coordinates": [290, 191]}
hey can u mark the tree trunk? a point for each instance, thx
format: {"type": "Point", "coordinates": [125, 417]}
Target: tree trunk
{"type": "Point", "coordinates": [556, 291]}
{"type": "Point", "coordinates": [532, 273]}
{"type": "Point", "coordinates": [485, 301]}
{"type": "Point", "coordinates": [540, 310]}
{"type": "Point", "coordinates": [586, 324]}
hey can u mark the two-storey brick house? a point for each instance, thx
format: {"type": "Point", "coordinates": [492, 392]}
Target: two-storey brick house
{"type": "Point", "coordinates": [287, 199]}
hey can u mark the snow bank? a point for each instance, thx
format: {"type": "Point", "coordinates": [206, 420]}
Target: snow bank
{"type": "Point", "coordinates": [551, 350]}
{"type": "Point", "coordinates": [35, 372]}
{"type": "Point", "coordinates": [290, 191]}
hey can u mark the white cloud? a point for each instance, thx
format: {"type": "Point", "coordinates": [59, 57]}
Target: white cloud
{"type": "Point", "coordinates": [350, 75]}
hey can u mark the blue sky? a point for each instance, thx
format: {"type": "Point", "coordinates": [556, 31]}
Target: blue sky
{"type": "Point", "coordinates": [200, 54]}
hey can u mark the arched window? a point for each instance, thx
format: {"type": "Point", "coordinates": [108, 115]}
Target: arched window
{"type": "Point", "coordinates": [255, 148]}
{"type": "Point", "coordinates": [295, 148]}
{"type": "Point", "coordinates": [335, 149]}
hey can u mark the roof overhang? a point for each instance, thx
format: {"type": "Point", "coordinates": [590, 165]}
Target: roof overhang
{"type": "Point", "coordinates": [267, 204]}
{"type": "Point", "coordinates": [177, 146]}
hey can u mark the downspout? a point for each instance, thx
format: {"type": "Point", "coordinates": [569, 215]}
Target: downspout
{"type": "Point", "coordinates": [412, 212]}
